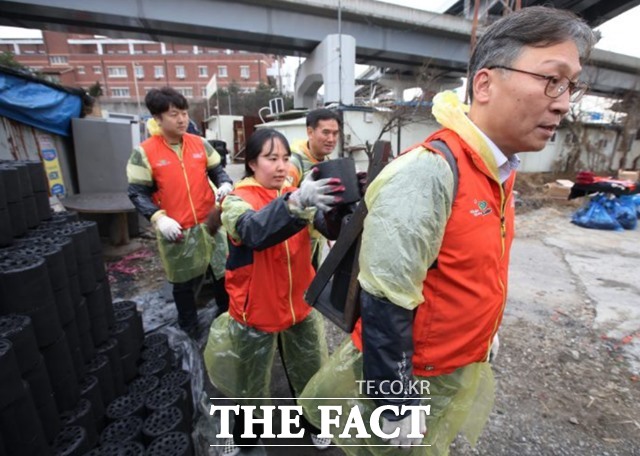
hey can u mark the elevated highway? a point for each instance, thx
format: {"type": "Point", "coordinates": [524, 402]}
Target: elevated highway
{"type": "Point", "coordinates": [388, 36]}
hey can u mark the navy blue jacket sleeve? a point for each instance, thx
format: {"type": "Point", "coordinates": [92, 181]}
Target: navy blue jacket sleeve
{"type": "Point", "coordinates": [271, 225]}
{"type": "Point", "coordinates": [387, 339]}
{"type": "Point", "coordinates": [218, 175]}
{"type": "Point", "coordinates": [141, 197]}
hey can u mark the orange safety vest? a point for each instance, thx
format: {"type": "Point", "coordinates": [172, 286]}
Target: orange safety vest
{"type": "Point", "coordinates": [183, 190]}
{"type": "Point", "coordinates": [465, 296]}
{"type": "Point", "coordinates": [266, 287]}
{"type": "Point", "coordinates": [301, 156]}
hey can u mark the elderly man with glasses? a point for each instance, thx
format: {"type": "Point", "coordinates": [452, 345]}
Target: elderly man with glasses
{"type": "Point", "coordinates": [427, 326]}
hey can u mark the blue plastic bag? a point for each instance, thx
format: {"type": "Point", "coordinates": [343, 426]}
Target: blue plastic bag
{"type": "Point", "coordinates": [623, 211]}
{"type": "Point", "coordinates": [635, 200]}
{"type": "Point", "coordinates": [626, 212]}
{"type": "Point", "coordinates": [595, 215]}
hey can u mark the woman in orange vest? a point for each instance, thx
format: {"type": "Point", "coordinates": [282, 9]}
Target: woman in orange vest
{"type": "Point", "coordinates": [268, 271]}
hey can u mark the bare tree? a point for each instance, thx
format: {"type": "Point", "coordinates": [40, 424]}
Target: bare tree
{"type": "Point", "coordinates": [417, 110]}
{"type": "Point", "coordinates": [629, 105]}
{"type": "Point", "coordinates": [582, 148]}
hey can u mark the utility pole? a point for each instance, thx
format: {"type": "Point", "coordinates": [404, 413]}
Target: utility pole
{"type": "Point", "coordinates": [135, 84]}
{"type": "Point", "coordinates": [279, 60]}
{"type": "Point", "coordinates": [340, 52]}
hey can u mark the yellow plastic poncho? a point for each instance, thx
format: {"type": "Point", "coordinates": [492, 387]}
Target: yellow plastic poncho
{"type": "Point", "coordinates": [239, 359]}
{"type": "Point", "coordinates": [153, 128]}
{"type": "Point", "coordinates": [190, 257]}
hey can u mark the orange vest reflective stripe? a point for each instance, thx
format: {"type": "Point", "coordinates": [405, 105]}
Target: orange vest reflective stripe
{"type": "Point", "coordinates": [464, 297]}
{"type": "Point", "coordinates": [266, 288]}
{"type": "Point", "coordinates": [183, 191]}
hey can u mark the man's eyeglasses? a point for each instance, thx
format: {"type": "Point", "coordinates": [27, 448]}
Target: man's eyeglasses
{"type": "Point", "coordinates": [556, 86]}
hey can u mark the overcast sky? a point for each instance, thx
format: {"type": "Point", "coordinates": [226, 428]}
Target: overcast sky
{"type": "Point", "coordinates": [621, 34]}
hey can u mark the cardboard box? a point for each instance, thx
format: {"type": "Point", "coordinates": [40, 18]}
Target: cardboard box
{"type": "Point", "coordinates": [624, 174]}
{"type": "Point", "coordinates": [558, 190]}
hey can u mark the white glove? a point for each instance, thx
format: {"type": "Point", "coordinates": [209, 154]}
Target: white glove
{"type": "Point", "coordinates": [315, 193]}
{"type": "Point", "coordinates": [169, 228]}
{"type": "Point", "coordinates": [223, 190]}
{"type": "Point", "coordinates": [495, 347]}
{"type": "Point", "coordinates": [404, 425]}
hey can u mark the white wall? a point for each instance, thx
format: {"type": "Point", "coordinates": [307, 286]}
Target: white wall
{"type": "Point", "coordinates": [542, 161]}
{"type": "Point", "coordinates": [294, 130]}
{"type": "Point", "coordinates": [362, 126]}
{"type": "Point", "coordinates": [359, 127]}
{"type": "Point", "coordinates": [546, 159]}
{"type": "Point", "coordinates": [367, 126]}
{"type": "Point", "coordinates": [221, 128]}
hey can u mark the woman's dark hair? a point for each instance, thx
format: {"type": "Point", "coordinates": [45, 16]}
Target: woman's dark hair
{"type": "Point", "coordinates": [255, 144]}
{"type": "Point", "coordinates": [160, 100]}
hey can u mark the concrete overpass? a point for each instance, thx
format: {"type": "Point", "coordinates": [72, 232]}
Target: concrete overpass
{"type": "Point", "coordinates": [386, 35]}
{"type": "Point", "coordinates": [595, 12]}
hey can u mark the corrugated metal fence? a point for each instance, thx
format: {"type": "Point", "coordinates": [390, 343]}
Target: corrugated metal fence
{"type": "Point", "coordinates": [23, 142]}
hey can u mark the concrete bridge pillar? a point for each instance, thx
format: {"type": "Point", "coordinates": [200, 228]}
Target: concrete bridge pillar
{"type": "Point", "coordinates": [331, 63]}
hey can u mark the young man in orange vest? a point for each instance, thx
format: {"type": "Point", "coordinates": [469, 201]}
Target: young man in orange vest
{"type": "Point", "coordinates": [427, 327]}
{"type": "Point", "coordinates": [170, 183]}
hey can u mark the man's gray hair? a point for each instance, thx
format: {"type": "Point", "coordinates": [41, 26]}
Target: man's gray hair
{"type": "Point", "coordinates": [535, 26]}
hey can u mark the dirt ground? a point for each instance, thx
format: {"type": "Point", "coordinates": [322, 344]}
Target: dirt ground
{"type": "Point", "coordinates": [564, 386]}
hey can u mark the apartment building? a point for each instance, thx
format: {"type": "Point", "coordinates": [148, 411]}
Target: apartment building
{"type": "Point", "coordinates": [127, 68]}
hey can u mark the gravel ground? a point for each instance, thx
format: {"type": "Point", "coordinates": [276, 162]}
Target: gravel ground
{"type": "Point", "coordinates": [567, 373]}
{"type": "Point", "coordinates": [568, 369]}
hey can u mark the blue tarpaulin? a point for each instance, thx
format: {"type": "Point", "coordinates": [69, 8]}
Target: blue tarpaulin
{"type": "Point", "coordinates": [38, 104]}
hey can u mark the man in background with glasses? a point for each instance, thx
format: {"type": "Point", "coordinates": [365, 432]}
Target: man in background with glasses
{"type": "Point", "coordinates": [435, 248]}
